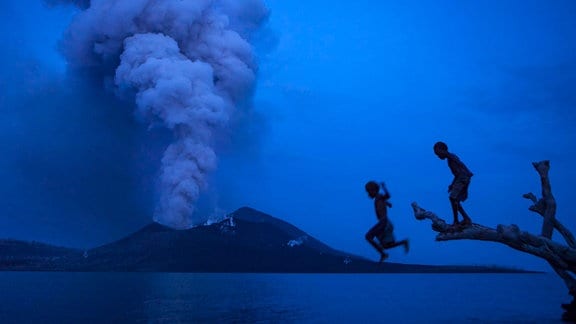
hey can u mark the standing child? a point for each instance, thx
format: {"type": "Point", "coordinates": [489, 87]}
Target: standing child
{"type": "Point", "coordinates": [383, 230]}
{"type": "Point", "coordinates": [458, 189]}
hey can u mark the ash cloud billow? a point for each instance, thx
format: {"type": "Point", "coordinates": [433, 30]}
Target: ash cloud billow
{"type": "Point", "coordinates": [188, 64]}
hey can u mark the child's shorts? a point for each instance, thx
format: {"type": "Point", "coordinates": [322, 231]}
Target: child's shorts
{"type": "Point", "coordinates": [459, 190]}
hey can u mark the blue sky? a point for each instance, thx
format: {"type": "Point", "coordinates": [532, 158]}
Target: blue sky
{"type": "Point", "coordinates": [346, 93]}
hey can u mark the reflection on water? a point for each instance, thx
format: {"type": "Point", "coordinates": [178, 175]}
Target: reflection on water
{"type": "Point", "coordinates": [287, 298]}
{"type": "Point", "coordinates": [217, 297]}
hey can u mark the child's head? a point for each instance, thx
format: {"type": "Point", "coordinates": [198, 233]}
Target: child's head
{"type": "Point", "coordinates": [372, 188]}
{"type": "Point", "coordinates": [441, 149]}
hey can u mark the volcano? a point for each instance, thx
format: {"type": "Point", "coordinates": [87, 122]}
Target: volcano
{"type": "Point", "coordinates": [246, 241]}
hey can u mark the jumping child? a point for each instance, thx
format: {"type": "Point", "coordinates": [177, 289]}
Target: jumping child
{"type": "Point", "coordinates": [383, 230]}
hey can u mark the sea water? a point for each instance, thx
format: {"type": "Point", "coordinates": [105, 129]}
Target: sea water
{"type": "Point", "coordinates": [41, 297]}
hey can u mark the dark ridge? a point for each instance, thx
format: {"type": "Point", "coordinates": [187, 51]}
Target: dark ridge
{"type": "Point", "coordinates": [247, 241]}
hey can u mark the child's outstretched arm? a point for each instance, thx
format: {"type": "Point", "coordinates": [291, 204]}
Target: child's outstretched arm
{"type": "Point", "coordinates": [385, 189]}
{"type": "Point", "coordinates": [386, 193]}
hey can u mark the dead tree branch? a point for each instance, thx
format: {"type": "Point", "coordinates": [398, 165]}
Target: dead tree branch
{"type": "Point", "coordinates": [511, 235]}
{"type": "Point", "coordinates": [561, 257]}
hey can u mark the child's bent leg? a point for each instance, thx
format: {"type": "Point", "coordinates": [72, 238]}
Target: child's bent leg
{"type": "Point", "coordinates": [467, 220]}
{"type": "Point", "coordinates": [371, 235]}
{"type": "Point", "coordinates": [454, 203]}
{"type": "Point", "coordinates": [374, 243]}
{"type": "Point", "coordinates": [395, 244]}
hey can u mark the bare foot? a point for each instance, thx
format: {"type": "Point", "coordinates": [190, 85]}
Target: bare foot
{"type": "Point", "coordinates": [383, 256]}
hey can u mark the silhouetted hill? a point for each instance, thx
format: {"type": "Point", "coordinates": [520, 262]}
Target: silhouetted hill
{"type": "Point", "coordinates": [247, 241]}
{"type": "Point", "coordinates": [20, 255]}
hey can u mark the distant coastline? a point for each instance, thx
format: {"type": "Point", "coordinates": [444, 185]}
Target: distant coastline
{"type": "Point", "coordinates": [247, 242]}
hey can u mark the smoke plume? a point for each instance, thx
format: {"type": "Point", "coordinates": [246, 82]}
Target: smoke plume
{"type": "Point", "coordinates": [188, 64]}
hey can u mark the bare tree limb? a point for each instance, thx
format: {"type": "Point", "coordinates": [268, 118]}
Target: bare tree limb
{"type": "Point", "coordinates": [562, 258]}
{"type": "Point", "coordinates": [569, 280]}
{"type": "Point", "coordinates": [539, 208]}
{"type": "Point", "coordinates": [556, 254]}
{"type": "Point", "coordinates": [542, 168]}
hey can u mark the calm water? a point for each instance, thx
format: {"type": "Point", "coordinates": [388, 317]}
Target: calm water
{"type": "Point", "coordinates": [286, 298]}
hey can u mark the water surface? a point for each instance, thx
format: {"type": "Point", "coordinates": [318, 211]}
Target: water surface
{"type": "Point", "coordinates": [34, 297]}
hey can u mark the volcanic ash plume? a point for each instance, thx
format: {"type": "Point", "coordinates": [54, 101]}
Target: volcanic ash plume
{"type": "Point", "coordinates": [189, 63]}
